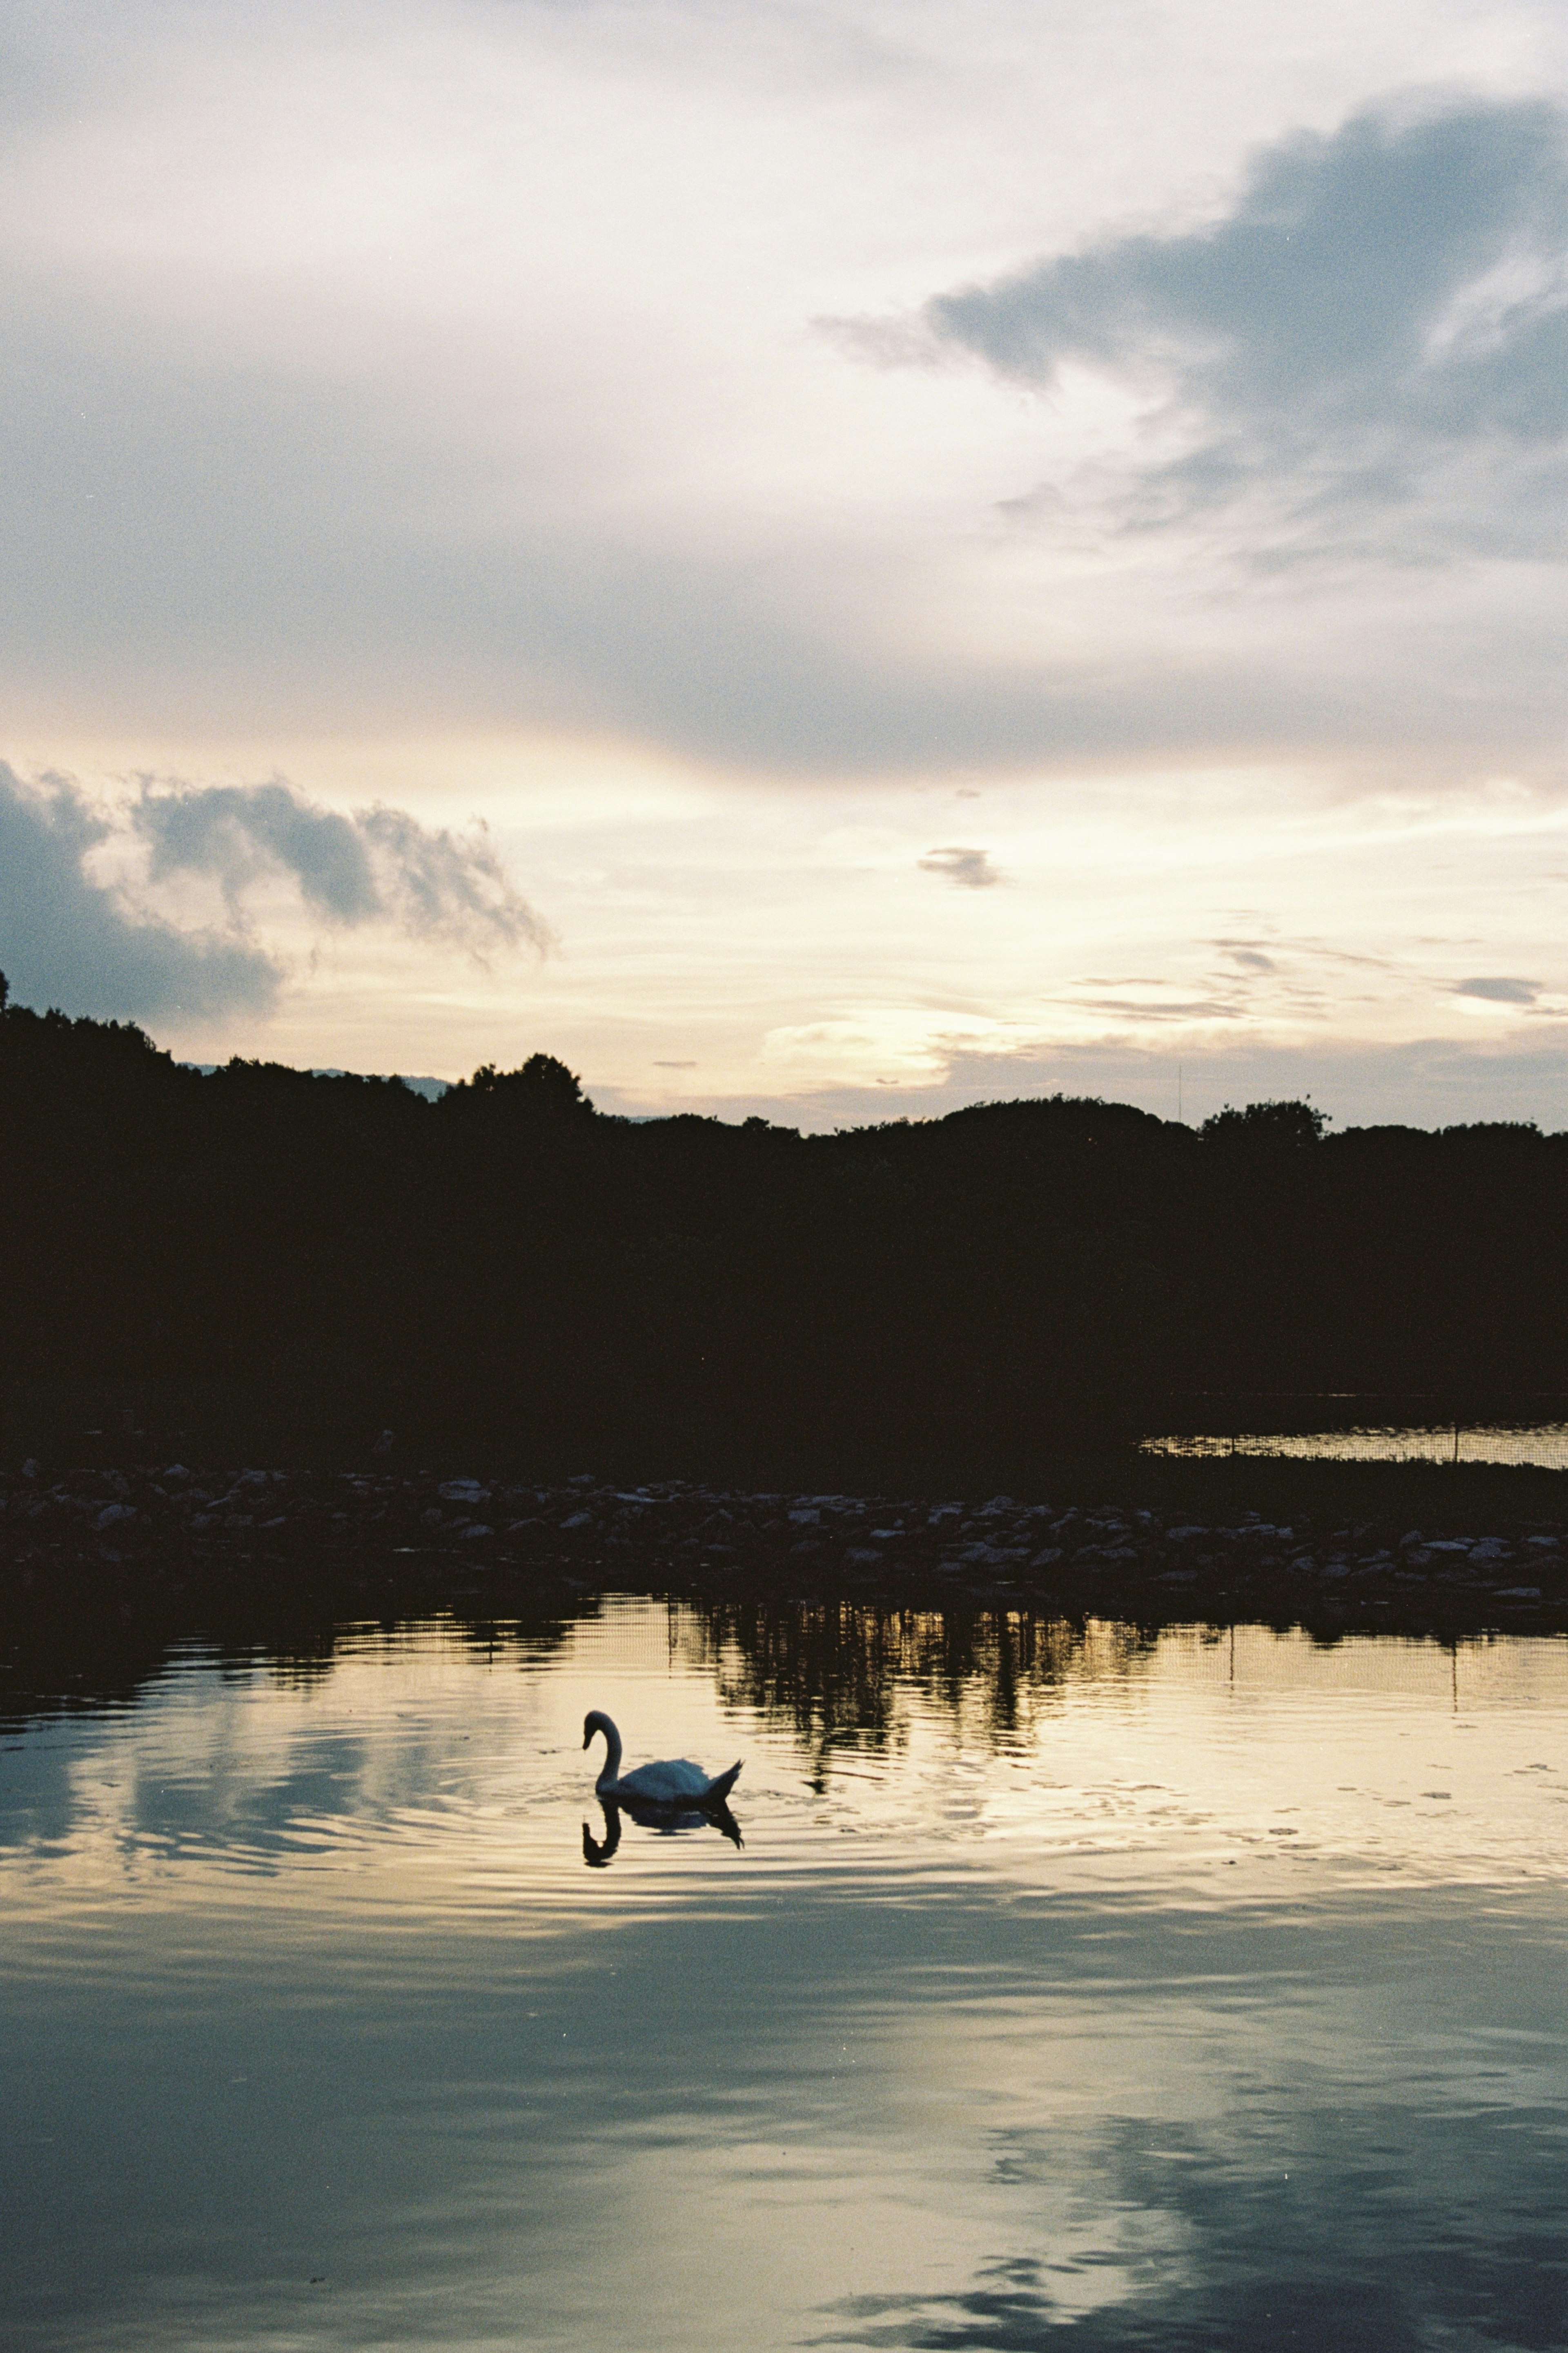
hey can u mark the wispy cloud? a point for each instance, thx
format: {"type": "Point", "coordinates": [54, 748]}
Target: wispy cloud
{"type": "Point", "coordinates": [1498, 991]}
{"type": "Point", "coordinates": [971, 870]}
{"type": "Point", "coordinates": [378, 865]}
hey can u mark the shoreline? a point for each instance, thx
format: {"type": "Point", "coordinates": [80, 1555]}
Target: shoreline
{"type": "Point", "coordinates": [176, 1538]}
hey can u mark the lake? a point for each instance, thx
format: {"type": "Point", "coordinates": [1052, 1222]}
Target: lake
{"type": "Point", "coordinates": [1544, 1445]}
{"type": "Point", "coordinates": [1071, 1987]}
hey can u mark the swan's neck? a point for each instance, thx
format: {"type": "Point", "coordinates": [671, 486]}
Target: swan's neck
{"type": "Point", "coordinates": [612, 1769]}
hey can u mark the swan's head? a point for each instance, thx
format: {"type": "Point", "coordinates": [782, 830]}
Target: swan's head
{"type": "Point", "coordinates": [596, 1720]}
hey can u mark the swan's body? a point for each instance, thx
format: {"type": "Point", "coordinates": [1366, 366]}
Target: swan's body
{"type": "Point", "coordinates": [675, 1781]}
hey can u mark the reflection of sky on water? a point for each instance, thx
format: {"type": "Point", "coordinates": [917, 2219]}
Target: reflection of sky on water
{"type": "Point", "coordinates": [1172, 2005]}
{"type": "Point", "coordinates": [1543, 1444]}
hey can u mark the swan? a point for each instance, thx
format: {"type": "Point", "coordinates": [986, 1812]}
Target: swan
{"type": "Point", "coordinates": [675, 1781]}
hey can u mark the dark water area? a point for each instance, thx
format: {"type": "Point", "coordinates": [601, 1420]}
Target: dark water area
{"type": "Point", "coordinates": [1071, 1986]}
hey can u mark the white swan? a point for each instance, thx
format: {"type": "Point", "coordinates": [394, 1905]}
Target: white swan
{"type": "Point", "coordinates": [675, 1781]}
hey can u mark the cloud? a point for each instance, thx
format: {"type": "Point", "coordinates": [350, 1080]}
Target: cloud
{"type": "Point", "coordinates": [971, 869]}
{"type": "Point", "coordinates": [378, 865]}
{"type": "Point", "coordinates": [1500, 991]}
{"type": "Point", "coordinates": [65, 941]}
{"type": "Point", "coordinates": [1370, 346]}
{"type": "Point", "coordinates": [69, 941]}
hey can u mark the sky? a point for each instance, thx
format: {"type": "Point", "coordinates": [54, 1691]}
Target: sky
{"type": "Point", "coordinates": [828, 562]}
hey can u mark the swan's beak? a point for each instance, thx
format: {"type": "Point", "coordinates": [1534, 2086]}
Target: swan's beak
{"type": "Point", "coordinates": [587, 1736]}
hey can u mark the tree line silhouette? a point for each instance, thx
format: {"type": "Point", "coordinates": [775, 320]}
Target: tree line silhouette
{"type": "Point", "coordinates": [508, 1264]}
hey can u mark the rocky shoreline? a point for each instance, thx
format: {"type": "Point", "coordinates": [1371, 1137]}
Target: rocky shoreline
{"type": "Point", "coordinates": [141, 1536]}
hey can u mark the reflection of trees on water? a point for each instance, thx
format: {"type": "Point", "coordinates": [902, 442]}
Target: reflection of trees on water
{"type": "Point", "coordinates": [835, 1674]}
{"type": "Point", "coordinates": [294, 1659]}
{"type": "Point", "coordinates": [62, 1657]}
{"type": "Point", "coordinates": [842, 1675]}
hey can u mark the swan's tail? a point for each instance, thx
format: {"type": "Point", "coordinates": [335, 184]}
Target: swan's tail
{"type": "Point", "coordinates": [717, 1791]}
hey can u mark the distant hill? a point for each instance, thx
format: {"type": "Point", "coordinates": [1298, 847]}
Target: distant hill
{"type": "Point", "coordinates": [431, 1088]}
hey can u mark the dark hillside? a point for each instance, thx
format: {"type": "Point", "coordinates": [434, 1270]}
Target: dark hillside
{"type": "Point", "coordinates": [331, 1254]}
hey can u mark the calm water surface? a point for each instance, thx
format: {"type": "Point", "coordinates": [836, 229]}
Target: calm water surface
{"type": "Point", "coordinates": [1070, 1992]}
{"type": "Point", "coordinates": [1543, 1444]}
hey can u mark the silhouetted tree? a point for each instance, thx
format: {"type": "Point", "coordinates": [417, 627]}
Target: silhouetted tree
{"type": "Point", "coordinates": [542, 1088]}
{"type": "Point", "coordinates": [1275, 1126]}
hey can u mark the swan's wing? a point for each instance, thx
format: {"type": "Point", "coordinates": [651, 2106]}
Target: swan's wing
{"type": "Point", "coordinates": [663, 1784]}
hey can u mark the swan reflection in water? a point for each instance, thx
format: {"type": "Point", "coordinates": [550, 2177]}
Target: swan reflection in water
{"type": "Point", "coordinates": [672, 1794]}
{"type": "Point", "coordinates": [597, 1852]}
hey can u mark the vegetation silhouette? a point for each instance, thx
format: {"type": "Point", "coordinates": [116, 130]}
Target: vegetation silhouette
{"type": "Point", "coordinates": [310, 1259]}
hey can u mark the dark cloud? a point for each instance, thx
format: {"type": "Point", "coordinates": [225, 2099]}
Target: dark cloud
{"type": "Point", "coordinates": [65, 941]}
{"type": "Point", "coordinates": [1500, 991]}
{"type": "Point", "coordinates": [68, 940]}
{"type": "Point", "coordinates": [971, 869]}
{"type": "Point", "coordinates": [1371, 337]}
{"type": "Point", "coordinates": [378, 864]}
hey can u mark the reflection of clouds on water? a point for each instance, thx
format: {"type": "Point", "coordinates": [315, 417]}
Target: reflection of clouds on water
{"type": "Point", "coordinates": [1003, 2040]}
{"type": "Point", "coordinates": [1206, 2244]}
{"type": "Point", "coordinates": [1032, 1748]}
